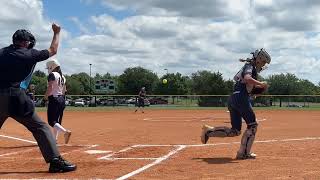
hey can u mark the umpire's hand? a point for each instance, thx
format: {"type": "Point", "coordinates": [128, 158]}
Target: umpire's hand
{"type": "Point", "coordinates": [56, 28]}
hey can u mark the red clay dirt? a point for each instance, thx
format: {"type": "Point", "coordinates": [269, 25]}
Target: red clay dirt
{"type": "Point", "coordinates": [287, 145]}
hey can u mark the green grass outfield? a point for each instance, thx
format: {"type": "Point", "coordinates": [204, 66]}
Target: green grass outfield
{"type": "Point", "coordinates": [169, 107]}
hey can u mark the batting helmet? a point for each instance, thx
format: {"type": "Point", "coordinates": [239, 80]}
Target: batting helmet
{"type": "Point", "coordinates": [52, 64]}
{"type": "Point", "coordinates": [24, 35]}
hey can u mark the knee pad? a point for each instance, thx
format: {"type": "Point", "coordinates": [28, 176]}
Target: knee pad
{"type": "Point", "coordinates": [252, 129]}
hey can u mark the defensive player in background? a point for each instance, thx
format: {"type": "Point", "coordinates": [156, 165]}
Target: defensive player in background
{"type": "Point", "coordinates": [55, 95]}
{"type": "Point", "coordinates": [17, 62]}
{"type": "Point", "coordinates": [141, 96]}
{"type": "Point", "coordinates": [239, 105]}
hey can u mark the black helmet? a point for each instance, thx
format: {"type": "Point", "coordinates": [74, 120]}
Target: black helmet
{"type": "Point", "coordinates": [24, 35]}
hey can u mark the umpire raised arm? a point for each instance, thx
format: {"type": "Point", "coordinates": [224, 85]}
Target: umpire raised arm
{"type": "Point", "coordinates": [17, 62]}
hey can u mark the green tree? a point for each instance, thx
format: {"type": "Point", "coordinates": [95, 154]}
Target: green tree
{"type": "Point", "coordinates": [176, 84]}
{"type": "Point", "coordinates": [40, 84]}
{"type": "Point", "coordinates": [74, 86]}
{"type": "Point", "coordinates": [39, 73]}
{"type": "Point", "coordinates": [208, 83]}
{"type": "Point", "coordinates": [284, 84]}
{"type": "Point", "coordinates": [132, 79]}
{"type": "Point", "coordinates": [84, 80]}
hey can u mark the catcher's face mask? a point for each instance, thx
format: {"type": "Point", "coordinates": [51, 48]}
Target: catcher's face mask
{"type": "Point", "coordinates": [261, 58]}
{"type": "Point", "coordinates": [22, 35]}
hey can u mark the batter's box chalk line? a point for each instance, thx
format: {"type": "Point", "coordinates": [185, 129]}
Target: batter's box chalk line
{"type": "Point", "coordinates": [155, 162]}
{"type": "Point", "coordinates": [80, 147]}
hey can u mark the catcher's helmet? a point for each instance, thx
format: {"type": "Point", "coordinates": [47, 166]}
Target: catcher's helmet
{"type": "Point", "coordinates": [261, 58]}
{"type": "Point", "coordinates": [24, 35]}
{"type": "Point", "coordinates": [51, 65]}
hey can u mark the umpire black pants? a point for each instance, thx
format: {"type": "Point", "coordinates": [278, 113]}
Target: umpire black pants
{"type": "Point", "coordinates": [14, 103]}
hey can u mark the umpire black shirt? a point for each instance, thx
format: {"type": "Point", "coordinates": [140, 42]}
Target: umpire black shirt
{"type": "Point", "coordinates": [17, 63]}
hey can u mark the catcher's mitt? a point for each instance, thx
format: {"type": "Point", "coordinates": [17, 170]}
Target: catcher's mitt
{"type": "Point", "coordinates": [257, 90]}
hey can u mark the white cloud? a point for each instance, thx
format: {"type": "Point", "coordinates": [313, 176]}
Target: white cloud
{"type": "Point", "coordinates": [182, 36]}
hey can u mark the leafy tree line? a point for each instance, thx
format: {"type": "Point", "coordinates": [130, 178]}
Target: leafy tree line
{"type": "Point", "coordinates": [199, 83]}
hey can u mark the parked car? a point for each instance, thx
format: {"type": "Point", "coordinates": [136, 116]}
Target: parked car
{"type": "Point", "coordinates": [158, 100]}
{"type": "Point", "coordinates": [146, 102]}
{"type": "Point", "coordinates": [135, 101]}
{"type": "Point", "coordinates": [68, 102]}
{"type": "Point", "coordinates": [131, 101]}
{"type": "Point", "coordinates": [294, 105]}
{"type": "Point", "coordinates": [79, 102]}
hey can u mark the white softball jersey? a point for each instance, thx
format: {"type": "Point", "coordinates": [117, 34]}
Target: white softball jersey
{"type": "Point", "coordinates": [57, 85]}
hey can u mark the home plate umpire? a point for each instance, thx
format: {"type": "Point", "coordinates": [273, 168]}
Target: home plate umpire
{"type": "Point", "coordinates": [17, 62]}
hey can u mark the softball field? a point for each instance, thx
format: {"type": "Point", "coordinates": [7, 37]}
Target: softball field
{"type": "Point", "coordinates": [165, 144]}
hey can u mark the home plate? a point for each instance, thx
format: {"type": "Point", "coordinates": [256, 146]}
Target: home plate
{"type": "Point", "coordinates": [97, 152]}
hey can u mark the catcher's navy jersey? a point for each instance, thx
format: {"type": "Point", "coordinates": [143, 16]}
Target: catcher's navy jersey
{"type": "Point", "coordinates": [17, 64]}
{"type": "Point", "coordinates": [239, 78]}
{"type": "Point", "coordinates": [239, 102]}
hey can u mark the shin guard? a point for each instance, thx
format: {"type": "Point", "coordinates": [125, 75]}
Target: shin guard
{"type": "Point", "coordinates": [247, 139]}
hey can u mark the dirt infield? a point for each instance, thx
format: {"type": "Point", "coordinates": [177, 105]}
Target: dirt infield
{"type": "Point", "coordinates": [165, 144]}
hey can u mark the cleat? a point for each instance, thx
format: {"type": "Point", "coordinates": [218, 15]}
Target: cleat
{"type": "Point", "coordinates": [246, 156]}
{"type": "Point", "coordinates": [204, 136]}
{"type": "Point", "coordinates": [59, 165]}
{"type": "Point", "coordinates": [67, 137]}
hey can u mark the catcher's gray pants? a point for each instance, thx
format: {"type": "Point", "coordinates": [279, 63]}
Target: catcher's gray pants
{"type": "Point", "coordinates": [14, 103]}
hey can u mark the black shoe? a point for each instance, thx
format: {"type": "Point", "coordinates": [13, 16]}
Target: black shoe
{"type": "Point", "coordinates": [59, 165]}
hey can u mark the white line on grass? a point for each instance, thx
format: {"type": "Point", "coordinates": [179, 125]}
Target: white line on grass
{"type": "Point", "coordinates": [159, 160]}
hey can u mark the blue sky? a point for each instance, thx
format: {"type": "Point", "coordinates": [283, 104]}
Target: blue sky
{"type": "Point", "coordinates": [62, 11]}
{"type": "Point", "coordinates": [182, 36]}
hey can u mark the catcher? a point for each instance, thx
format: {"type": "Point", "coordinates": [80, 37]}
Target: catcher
{"type": "Point", "coordinates": [239, 105]}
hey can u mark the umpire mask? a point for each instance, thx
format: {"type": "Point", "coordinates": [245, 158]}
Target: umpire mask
{"type": "Point", "coordinates": [24, 35]}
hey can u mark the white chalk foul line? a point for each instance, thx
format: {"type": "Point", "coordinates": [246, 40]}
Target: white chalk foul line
{"type": "Point", "coordinates": [157, 161]}
{"type": "Point", "coordinates": [19, 139]}
{"type": "Point", "coordinates": [189, 119]}
{"type": "Point", "coordinates": [34, 142]}
{"type": "Point", "coordinates": [17, 152]}
{"type": "Point", "coordinates": [261, 141]}
{"type": "Point", "coordinates": [111, 158]}
{"type": "Point", "coordinates": [83, 147]}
